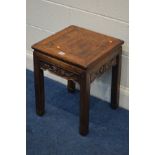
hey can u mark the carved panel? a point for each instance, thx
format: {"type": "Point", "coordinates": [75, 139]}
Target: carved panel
{"type": "Point", "coordinates": [102, 69]}
{"type": "Point", "coordinates": [58, 71]}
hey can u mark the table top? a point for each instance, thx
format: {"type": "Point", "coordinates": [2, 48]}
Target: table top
{"type": "Point", "coordinates": [78, 46]}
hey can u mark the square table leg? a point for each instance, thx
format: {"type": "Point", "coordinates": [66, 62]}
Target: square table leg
{"type": "Point", "coordinates": [39, 87]}
{"type": "Point", "coordinates": [71, 86]}
{"type": "Point", "coordinates": [115, 86]}
{"type": "Point", "coordinates": [84, 104]}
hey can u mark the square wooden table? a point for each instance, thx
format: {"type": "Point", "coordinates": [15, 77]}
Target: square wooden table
{"type": "Point", "coordinates": [78, 55]}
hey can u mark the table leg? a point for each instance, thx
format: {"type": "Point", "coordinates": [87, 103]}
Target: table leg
{"type": "Point", "coordinates": [39, 87]}
{"type": "Point", "coordinates": [71, 86]}
{"type": "Point", "coordinates": [115, 86]}
{"type": "Point", "coordinates": [84, 104]}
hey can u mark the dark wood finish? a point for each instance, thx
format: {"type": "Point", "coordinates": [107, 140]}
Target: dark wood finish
{"type": "Point", "coordinates": [71, 86]}
{"type": "Point", "coordinates": [84, 103]}
{"type": "Point", "coordinates": [115, 86]}
{"type": "Point", "coordinates": [58, 67]}
{"type": "Point", "coordinates": [39, 87]}
{"type": "Point", "coordinates": [80, 55]}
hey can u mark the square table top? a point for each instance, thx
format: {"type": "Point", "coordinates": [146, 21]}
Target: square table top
{"type": "Point", "coordinates": [78, 46]}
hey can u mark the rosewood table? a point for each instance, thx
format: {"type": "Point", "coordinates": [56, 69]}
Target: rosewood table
{"type": "Point", "coordinates": [78, 55]}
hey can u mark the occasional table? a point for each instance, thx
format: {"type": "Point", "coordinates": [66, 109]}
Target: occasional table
{"type": "Point", "coordinates": [77, 55]}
